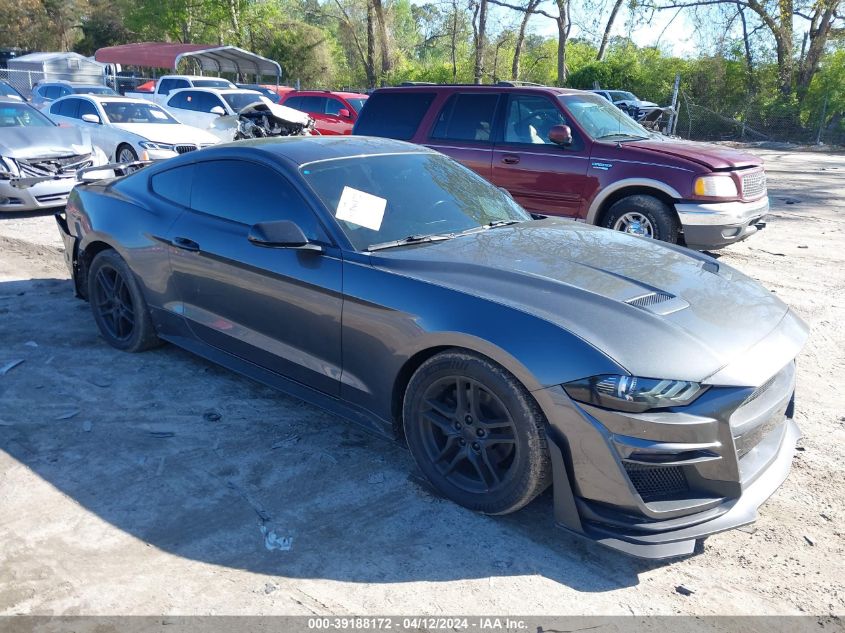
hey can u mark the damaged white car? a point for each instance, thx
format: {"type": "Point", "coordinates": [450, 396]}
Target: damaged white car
{"type": "Point", "coordinates": [232, 115]}
{"type": "Point", "coordinates": [38, 159]}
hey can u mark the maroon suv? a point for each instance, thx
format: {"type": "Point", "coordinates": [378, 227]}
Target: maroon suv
{"type": "Point", "coordinates": [572, 153]}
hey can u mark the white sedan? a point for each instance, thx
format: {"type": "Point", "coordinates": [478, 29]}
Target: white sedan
{"type": "Point", "coordinates": [129, 129]}
{"type": "Point", "coordinates": [204, 107]}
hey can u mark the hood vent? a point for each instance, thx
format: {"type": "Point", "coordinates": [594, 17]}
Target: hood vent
{"type": "Point", "coordinates": [658, 303]}
{"type": "Point", "coordinates": [652, 298]}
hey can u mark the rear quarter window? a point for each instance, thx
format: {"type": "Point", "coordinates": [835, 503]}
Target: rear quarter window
{"type": "Point", "coordinates": [174, 184]}
{"type": "Point", "coordinates": [394, 115]}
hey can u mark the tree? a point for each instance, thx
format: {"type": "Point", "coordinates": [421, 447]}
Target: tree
{"type": "Point", "coordinates": [480, 25]}
{"type": "Point", "coordinates": [520, 36]}
{"type": "Point", "coordinates": [608, 28]}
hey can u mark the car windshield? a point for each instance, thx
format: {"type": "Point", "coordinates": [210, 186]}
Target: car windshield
{"type": "Point", "coordinates": [211, 83]}
{"type": "Point", "coordinates": [601, 119]}
{"type": "Point", "coordinates": [7, 91]}
{"type": "Point", "coordinates": [357, 103]}
{"type": "Point", "coordinates": [93, 90]}
{"type": "Point", "coordinates": [619, 95]}
{"type": "Point", "coordinates": [239, 100]}
{"type": "Point", "coordinates": [22, 115]}
{"type": "Point", "coordinates": [128, 112]}
{"type": "Point", "coordinates": [382, 198]}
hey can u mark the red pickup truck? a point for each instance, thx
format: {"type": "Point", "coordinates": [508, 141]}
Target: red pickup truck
{"type": "Point", "coordinates": [572, 153]}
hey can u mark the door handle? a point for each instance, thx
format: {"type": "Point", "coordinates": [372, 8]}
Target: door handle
{"type": "Point", "coordinates": [185, 244]}
{"type": "Point", "coordinates": [510, 159]}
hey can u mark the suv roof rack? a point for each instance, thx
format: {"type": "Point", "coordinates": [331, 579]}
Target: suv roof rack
{"type": "Point", "coordinates": [514, 83]}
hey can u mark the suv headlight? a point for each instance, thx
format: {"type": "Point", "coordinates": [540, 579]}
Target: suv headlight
{"type": "Point", "coordinates": [161, 146]}
{"type": "Point", "coordinates": [715, 187]}
{"type": "Point", "coordinates": [629, 393]}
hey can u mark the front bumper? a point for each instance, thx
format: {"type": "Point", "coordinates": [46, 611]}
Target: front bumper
{"type": "Point", "coordinates": [654, 484]}
{"type": "Point", "coordinates": [709, 226]}
{"type": "Point", "coordinates": [49, 194]}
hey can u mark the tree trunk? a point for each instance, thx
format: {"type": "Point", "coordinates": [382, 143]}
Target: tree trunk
{"type": "Point", "coordinates": [454, 41]}
{"type": "Point", "coordinates": [384, 41]}
{"type": "Point", "coordinates": [749, 62]}
{"type": "Point", "coordinates": [520, 37]}
{"type": "Point", "coordinates": [480, 41]}
{"type": "Point", "coordinates": [819, 32]}
{"type": "Point", "coordinates": [563, 26]}
{"type": "Point", "coordinates": [607, 29]}
{"type": "Point", "coordinates": [370, 64]}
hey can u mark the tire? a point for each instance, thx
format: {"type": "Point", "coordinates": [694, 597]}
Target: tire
{"type": "Point", "coordinates": [125, 154]}
{"type": "Point", "coordinates": [118, 305]}
{"type": "Point", "coordinates": [643, 215]}
{"type": "Point", "coordinates": [491, 456]}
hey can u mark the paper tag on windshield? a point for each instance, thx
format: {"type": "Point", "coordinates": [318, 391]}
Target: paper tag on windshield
{"type": "Point", "coordinates": [158, 114]}
{"type": "Point", "coordinates": [361, 208]}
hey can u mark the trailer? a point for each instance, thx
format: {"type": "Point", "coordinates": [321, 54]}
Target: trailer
{"type": "Point", "coordinates": [27, 70]}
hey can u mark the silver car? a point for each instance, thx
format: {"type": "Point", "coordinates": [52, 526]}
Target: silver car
{"type": "Point", "coordinates": [38, 159]}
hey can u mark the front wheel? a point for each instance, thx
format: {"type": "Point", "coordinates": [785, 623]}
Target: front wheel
{"type": "Point", "coordinates": [645, 216]}
{"type": "Point", "coordinates": [476, 433]}
{"type": "Point", "coordinates": [125, 154]}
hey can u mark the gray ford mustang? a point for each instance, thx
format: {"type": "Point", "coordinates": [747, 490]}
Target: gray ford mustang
{"type": "Point", "coordinates": [651, 386]}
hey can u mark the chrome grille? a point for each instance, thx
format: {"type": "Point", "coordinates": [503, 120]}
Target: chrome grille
{"type": "Point", "coordinates": [657, 482]}
{"type": "Point", "coordinates": [753, 184]}
{"type": "Point", "coordinates": [39, 167]}
{"type": "Point", "coordinates": [184, 149]}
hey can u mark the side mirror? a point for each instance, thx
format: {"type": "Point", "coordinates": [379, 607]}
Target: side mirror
{"type": "Point", "coordinates": [91, 118]}
{"type": "Point", "coordinates": [218, 110]}
{"type": "Point", "coordinates": [344, 113]}
{"type": "Point", "coordinates": [560, 135]}
{"type": "Point", "coordinates": [280, 234]}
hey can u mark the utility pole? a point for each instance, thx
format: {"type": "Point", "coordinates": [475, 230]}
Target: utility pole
{"type": "Point", "coordinates": [673, 118]}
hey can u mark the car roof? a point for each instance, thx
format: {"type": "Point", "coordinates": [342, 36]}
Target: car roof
{"type": "Point", "coordinates": [218, 91]}
{"type": "Point", "coordinates": [318, 93]}
{"type": "Point", "coordinates": [109, 98]}
{"type": "Point", "coordinates": [299, 150]}
{"type": "Point", "coordinates": [480, 88]}
{"type": "Point", "coordinates": [192, 77]}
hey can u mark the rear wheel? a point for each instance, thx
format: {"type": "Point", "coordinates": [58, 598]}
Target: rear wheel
{"type": "Point", "coordinates": [645, 216]}
{"type": "Point", "coordinates": [476, 433]}
{"type": "Point", "coordinates": [118, 305]}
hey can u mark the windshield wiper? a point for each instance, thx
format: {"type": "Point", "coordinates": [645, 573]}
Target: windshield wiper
{"type": "Point", "coordinates": [411, 239]}
{"type": "Point", "coordinates": [632, 137]}
{"type": "Point", "coordinates": [498, 223]}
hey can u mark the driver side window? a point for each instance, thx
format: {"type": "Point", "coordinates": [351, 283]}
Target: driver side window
{"type": "Point", "coordinates": [529, 119]}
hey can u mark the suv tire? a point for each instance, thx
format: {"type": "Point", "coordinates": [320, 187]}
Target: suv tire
{"type": "Point", "coordinates": [643, 215]}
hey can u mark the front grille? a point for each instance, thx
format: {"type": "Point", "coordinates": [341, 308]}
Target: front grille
{"type": "Point", "coordinates": [762, 411]}
{"type": "Point", "coordinates": [55, 197]}
{"type": "Point", "coordinates": [753, 184]}
{"type": "Point", "coordinates": [759, 391]}
{"type": "Point", "coordinates": [657, 482]}
{"type": "Point", "coordinates": [40, 167]}
{"type": "Point", "coordinates": [184, 149]}
{"type": "Point", "coordinates": [649, 300]}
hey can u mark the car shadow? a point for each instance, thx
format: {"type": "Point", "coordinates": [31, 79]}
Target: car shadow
{"type": "Point", "coordinates": [207, 465]}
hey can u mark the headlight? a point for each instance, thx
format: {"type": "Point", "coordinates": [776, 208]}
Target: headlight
{"type": "Point", "coordinates": [629, 393]}
{"type": "Point", "coordinates": [715, 187]}
{"type": "Point", "coordinates": [161, 146]}
{"type": "Point", "coordinates": [9, 165]}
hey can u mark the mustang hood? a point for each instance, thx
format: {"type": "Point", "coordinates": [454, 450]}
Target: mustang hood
{"type": "Point", "coordinates": [713, 156]}
{"type": "Point", "coordinates": [43, 142]}
{"type": "Point", "coordinates": [658, 311]}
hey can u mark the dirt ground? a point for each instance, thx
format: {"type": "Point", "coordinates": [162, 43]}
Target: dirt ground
{"type": "Point", "coordinates": [159, 484]}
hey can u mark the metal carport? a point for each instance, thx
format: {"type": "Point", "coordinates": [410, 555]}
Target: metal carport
{"type": "Point", "coordinates": [219, 59]}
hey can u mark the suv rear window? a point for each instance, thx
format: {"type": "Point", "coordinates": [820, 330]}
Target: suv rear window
{"type": "Point", "coordinates": [393, 114]}
{"type": "Point", "coordinates": [467, 117]}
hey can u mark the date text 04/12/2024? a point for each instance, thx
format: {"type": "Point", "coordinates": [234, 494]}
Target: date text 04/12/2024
{"type": "Point", "coordinates": [416, 623]}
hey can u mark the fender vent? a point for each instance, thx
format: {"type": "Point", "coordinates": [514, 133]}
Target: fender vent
{"type": "Point", "coordinates": [651, 299]}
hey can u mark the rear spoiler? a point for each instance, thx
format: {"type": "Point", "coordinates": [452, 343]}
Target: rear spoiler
{"type": "Point", "coordinates": [103, 172]}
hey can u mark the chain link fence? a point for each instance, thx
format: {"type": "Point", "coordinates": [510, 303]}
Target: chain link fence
{"type": "Point", "coordinates": [24, 80]}
{"type": "Point", "coordinates": [699, 123]}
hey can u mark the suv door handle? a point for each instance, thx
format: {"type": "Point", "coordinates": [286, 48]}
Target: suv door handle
{"type": "Point", "coordinates": [185, 244]}
{"type": "Point", "coordinates": [510, 159]}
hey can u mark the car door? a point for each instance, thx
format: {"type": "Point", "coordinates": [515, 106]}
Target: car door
{"type": "Point", "coordinates": [542, 176]}
{"type": "Point", "coordinates": [333, 121]}
{"type": "Point", "coordinates": [316, 107]}
{"type": "Point", "coordinates": [184, 106]}
{"type": "Point", "coordinates": [464, 128]}
{"type": "Point", "coordinates": [279, 308]}
{"type": "Point", "coordinates": [101, 134]}
{"type": "Point", "coordinates": [64, 111]}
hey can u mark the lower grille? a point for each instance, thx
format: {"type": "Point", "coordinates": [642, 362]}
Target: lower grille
{"type": "Point", "coordinates": [657, 482]}
{"type": "Point", "coordinates": [184, 149]}
{"type": "Point", "coordinates": [753, 184]}
{"type": "Point", "coordinates": [40, 167]}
